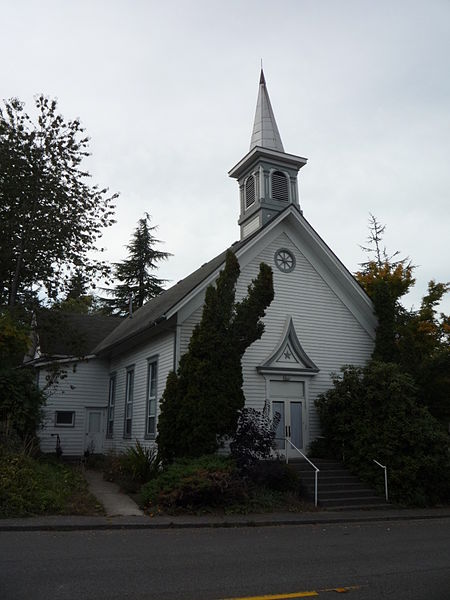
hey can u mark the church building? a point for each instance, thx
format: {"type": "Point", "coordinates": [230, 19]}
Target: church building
{"type": "Point", "coordinates": [320, 319]}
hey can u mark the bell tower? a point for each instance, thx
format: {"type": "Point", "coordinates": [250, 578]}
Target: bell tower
{"type": "Point", "coordinates": [267, 175]}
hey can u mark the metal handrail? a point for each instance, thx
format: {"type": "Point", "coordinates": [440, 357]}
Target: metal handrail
{"type": "Point", "coordinates": [316, 469]}
{"type": "Point", "coordinates": [385, 479]}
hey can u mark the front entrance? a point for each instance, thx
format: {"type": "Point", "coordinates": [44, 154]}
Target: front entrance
{"type": "Point", "coordinates": [288, 399]}
{"type": "Point", "coordinates": [94, 430]}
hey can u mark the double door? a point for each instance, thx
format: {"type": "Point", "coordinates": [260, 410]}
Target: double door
{"type": "Point", "coordinates": [288, 400]}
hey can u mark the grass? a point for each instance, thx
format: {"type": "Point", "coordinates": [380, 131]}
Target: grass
{"type": "Point", "coordinates": [44, 486]}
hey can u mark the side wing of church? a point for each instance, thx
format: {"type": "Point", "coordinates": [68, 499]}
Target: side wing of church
{"type": "Point", "coordinates": [320, 319]}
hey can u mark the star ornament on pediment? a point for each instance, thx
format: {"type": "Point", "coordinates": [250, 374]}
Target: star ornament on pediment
{"type": "Point", "coordinates": [289, 354]}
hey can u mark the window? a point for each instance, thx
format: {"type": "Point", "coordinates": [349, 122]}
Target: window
{"type": "Point", "coordinates": [128, 403]}
{"type": "Point", "coordinates": [111, 401]}
{"type": "Point", "coordinates": [150, 427]}
{"type": "Point", "coordinates": [280, 190]}
{"type": "Point", "coordinates": [249, 191]}
{"type": "Point", "coordinates": [285, 260]}
{"type": "Point", "coordinates": [65, 418]}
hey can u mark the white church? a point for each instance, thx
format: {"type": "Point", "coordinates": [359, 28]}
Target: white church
{"type": "Point", "coordinates": [320, 319]}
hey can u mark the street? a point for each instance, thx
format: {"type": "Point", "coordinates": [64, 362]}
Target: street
{"type": "Point", "coordinates": [400, 560]}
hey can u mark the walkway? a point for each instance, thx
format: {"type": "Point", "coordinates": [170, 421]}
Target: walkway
{"type": "Point", "coordinates": [109, 495]}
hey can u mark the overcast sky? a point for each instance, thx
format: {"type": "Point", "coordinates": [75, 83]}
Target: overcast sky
{"type": "Point", "coordinates": [167, 92]}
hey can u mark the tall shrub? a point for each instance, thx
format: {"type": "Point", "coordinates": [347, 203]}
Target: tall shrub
{"type": "Point", "coordinates": [373, 413]}
{"type": "Point", "coordinates": [201, 401]}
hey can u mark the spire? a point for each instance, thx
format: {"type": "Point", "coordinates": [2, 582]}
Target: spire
{"type": "Point", "coordinates": [265, 130]}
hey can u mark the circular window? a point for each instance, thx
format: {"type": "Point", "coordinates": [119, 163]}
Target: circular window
{"type": "Point", "coordinates": [285, 260]}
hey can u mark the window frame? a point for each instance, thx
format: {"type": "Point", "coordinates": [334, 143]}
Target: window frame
{"type": "Point", "coordinates": [151, 400]}
{"type": "Point", "coordinates": [71, 424]}
{"type": "Point", "coordinates": [128, 406]}
{"type": "Point", "coordinates": [111, 406]}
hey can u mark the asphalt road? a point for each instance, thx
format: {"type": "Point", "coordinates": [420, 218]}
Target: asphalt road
{"type": "Point", "coordinates": [394, 560]}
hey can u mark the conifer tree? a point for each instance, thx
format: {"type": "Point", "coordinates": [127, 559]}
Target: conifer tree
{"type": "Point", "coordinates": [201, 401]}
{"type": "Point", "coordinates": [135, 273]}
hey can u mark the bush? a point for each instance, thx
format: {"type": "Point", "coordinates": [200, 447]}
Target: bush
{"type": "Point", "coordinates": [274, 475]}
{"type": "Point", "coordinates": [41, 487]}
{"type": "Point", "coordinates": [132, 468]}
{"type": "Point", "coordinates": [254, 439]}
{"type": "Point", "coordinates": [208, 481]}
{"type": "Point", "coordinates": [372, 413]}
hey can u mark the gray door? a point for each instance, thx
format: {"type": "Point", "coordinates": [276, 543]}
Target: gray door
{"type": "Point", "coordinates": [288, 400]}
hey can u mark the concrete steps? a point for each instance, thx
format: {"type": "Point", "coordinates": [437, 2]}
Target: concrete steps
{"type": "Point", "coordinates": [338, 489]}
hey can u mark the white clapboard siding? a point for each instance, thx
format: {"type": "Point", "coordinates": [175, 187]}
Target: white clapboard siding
{"type": "Point", "coordinates": [187, 328]}
{"type": "Point", "coordinates": [329, 333]}
{"type": "Point", "coordinates": [86, 385]}
{"type": "Point", "coordinates": [162, 348]}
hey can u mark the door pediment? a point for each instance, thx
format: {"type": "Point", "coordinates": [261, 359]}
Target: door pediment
{"type": "Point", "coordinates": [289, 356]}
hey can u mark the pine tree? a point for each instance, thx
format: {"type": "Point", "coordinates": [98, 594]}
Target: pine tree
{"type": "Point", "coordinates": [201, 401]}
{"type": "Point", "coordinates": [135, 273]}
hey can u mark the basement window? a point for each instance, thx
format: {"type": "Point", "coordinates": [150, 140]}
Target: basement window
{"type": "Point", "coordinates": [65, 418]}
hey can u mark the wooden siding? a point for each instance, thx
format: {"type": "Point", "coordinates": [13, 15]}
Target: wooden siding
{"type": "Point", "coordinates": [329, 333]}
{"type": "Point", "coordinates": [162, 348]}
{"type": "Point", "coordinates": [86, 385]}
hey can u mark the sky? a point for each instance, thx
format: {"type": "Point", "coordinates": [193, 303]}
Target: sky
{"type": "Point", "coordinates": [167, 93]}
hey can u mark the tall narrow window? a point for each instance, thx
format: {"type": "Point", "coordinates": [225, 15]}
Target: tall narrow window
{"type": "Point", "coordinates": [128, 403]}
{"type": "Point", "coordinates": [249, 191]}
{"type": "Point", "coordinates": [150, 427]}
{"type": "Point", "coordinates": [280, 189]}
{"type": "Point", "coordinates": [111, 401]}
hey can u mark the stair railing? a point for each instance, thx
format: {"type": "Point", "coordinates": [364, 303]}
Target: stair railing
{"type": "Point", "coordinates": [316, 469]}
{"type": "Point", "coordinates": [385, 479]}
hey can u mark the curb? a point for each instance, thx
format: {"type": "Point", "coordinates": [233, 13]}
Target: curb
{"type": "Point", "coordinates": [28, 527]}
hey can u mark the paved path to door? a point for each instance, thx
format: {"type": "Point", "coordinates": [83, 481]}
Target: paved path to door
{"type": "Point", "coordinates": [115, 502]}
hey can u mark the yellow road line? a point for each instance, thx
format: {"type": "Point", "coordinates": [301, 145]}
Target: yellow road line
{"type": "Point", "coordinates": [310, 594]}
{"type": "Point", "coordinates": [277, 596]}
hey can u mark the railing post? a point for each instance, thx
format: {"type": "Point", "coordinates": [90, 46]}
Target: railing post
{"type": "Point", "coordinates": [386, 493]}
{"type": "Point", "coordinates": [315, 488]}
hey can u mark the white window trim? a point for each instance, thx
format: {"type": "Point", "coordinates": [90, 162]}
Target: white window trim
{"type": "Point", "coordinates": [111, 405]}
{"type": "Point", "coordinates": [151, 400]}
{"type": "Point", "coordinates": [128, 408]}
{"type": "Point", "coordinates": [72, 424]}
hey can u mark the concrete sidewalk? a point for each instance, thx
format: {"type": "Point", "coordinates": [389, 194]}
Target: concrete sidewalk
{"type": "Point", "coordinates": [319, 518]}
{"type": "Point", "coordinates": [115, 502]}
{"type": "Point", "coordinates": [123, 513]}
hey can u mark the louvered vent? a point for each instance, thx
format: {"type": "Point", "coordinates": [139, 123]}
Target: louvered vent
{"type": "Point", "coordinates": [280, 189]}
{"type": "Point", "coordinates": [249, 191]}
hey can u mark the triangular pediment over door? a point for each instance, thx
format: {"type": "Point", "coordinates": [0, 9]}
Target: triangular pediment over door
{"type": "Point", "coordinates": [289, 356]}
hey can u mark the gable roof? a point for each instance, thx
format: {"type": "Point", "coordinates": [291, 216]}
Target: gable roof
{"type": "Point", "coordinates": [64, 334]}
{"type": "Point", "coordinates": [157, 310]}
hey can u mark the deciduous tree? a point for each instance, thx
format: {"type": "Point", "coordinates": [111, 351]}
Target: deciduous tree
{"type": "Point", "coordinates": [51, 217]}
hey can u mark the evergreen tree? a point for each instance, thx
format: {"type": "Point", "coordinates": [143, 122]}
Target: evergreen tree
{"type": "Point", "coordinates": [135, 273]}
{"type": "Point", "coordinates": [201, 402]}
{"type": "Point", "coordinates": [77, 299]}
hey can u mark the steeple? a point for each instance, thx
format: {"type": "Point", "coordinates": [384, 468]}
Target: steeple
{"type": "Point", "coordinates": [265, 130]}
{"type": "Point", "coordinates": [267, 175]}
